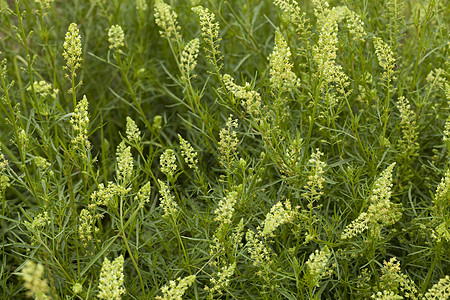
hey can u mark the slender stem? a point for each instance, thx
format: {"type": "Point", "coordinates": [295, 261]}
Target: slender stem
{"type": "Point", "coordinates": [122, 231]}
{"type": "Point", "coordinates": [132, 91]}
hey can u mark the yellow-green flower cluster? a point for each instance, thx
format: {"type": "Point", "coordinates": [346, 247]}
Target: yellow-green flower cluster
{"type": "Point", "coordinates": [221, 280]}
{"type": "Point", "coordinates": [296, 16]}
{"type": "Point", "coordinates": [355, 25]}
{"type": "Point", "coordinates": [321, 10]}
{"type": "Point", "coordinates": [124, 159]}
{"type": "Point", "coordinates": [441, 203]}
{"type": "Point", "coordinates": [408, 143]}
{"type": "Point", "coordinates": [436, 77]}
{"type": "Point", "coordinates": [116, 38]}
{"type": "Point", "coordinates": [143, 195]}
{"type": "Point", "coordinates": [440, 290]}
{"type": "Point", "coordinates": [22, 140]}
{"type": "Point", "coordinates": [188, 152]}
{"type": "Point", "coordinates": [141, 5]}
{"type": "Point", "coordinates": [3, 66]}
{"type": "Point", "coordinates": [256, 243]}
{"type": "Point", "coordinates": [4, 179]}
{"type": "Point", "coordinates": [111, 279]}
{"type": "Point", "coordinates": [395, 13]}
{"type": "Point", "coordinates": [34, 282]}
{"type": "Point", "coordinates": [72, 49]}
{"type": "Point", "coordinates": [329, 72]}
{"type": "Point", "coordinates": [386, 295]}
{"type": "Point", "coordinates": [188, 59]}
{"type": "Point", "coordinates": [226, 208]}
{"type": "Point", "coordinates": [252, 98]}
{"type": "Point", "coordinates": [44, 4]}
{"type": "Point", "coordinates": [381, 210]}
{"type": "Point", "coordinates": [105, 195]}
{"type": "Point", "coordinates": [392, 279]}
{"type": "Point", "coordinates": [42, 164]}
{"type": "Point", "coordinates": [446, 136]}
{"type": "Point", "coordinates": [167, 202]}
{"type": "Point", "coordinates": [168, 163]}
{"type": "Point", "coordinates": [315, 178]}
{"type": "Point", "coordinates": [86, 226]}
{"type": "Point", "coordinates": [39, 221]}
{"type": "Point", "coordinates": [317, 266]}
{"type": "Point", "coordinates": [325, 54]}
{"type": "Point", "coordinates": [257, 249]}
{"type": "Point", "coordinates": [166, 19]}
{"type": "Point", "coordinates": [176, 291]}
{"type": "Point", "coordinates": [80, 123]}
{"type": "Point", "coordinates": [210, 34]}
{"type": "Point", "coordinates": [282, 78]}
{"type": "Point", "coordinates": [3, 163]}
{"type": "Point", "coordinates": [441, 232]}
{"type": "Point", "coordinates": [133, 132]}
{"type": "Point", "coordinates": [358, 226]}
{"type": "Point", "coordinates": [386, 58]}
{"type": "Point", "coordinates": [277, 216]}
{"type": "Point", "coordinates": [77, 288]}
{"type": "Point", "coordinates": [44, 89]}
{"type": "Point", "coordinates": [228, 141]}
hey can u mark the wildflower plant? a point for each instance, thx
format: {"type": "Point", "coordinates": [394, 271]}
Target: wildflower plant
{"type": "Point", "coordinates": [124, 170]}
{"type": "Point", "coordinates": [222, 280]}
{"type": "Point", "coordinates": [408, 145]}
{"type": "Point", "coordinates": [73, 56]}
{"type": "Point", "coordinates": [44, 4]}
{"type": "Point", "coordinates": [168, 163]}
{"type": "Point", "coordinates": [167, 20]}
{"type": "Point", "coordinates": [282, 78]}
{"type": "Point", "coordinates": [224, 211]}
{"type": "Point", "coordinates": [228, 142]}
{"type": "Point", "coordinates": [111, 279]}
{"type": "Point", "coordinates": [133, 132]}
{"type": "Point", "coordinates": [141, 5]}
{"type": "Point", "coordinates": [34, 282]}
{"type": "Point", "coordinates": [189, 153]}
{"type": "Point", "coordinates": [116, 38]}
{"type": "Point", "coordinates": [381, 210]}
{"type": "Point", "coordinates": [188, 59]}
{"type": "Point", "coordinates": [80, 124]}
{"type": "Point", "coordinates": [440, 290]}
{"type": "Point", "coordinates": [317, 267]}
{"type": "Point", "coordinates": [168, 204]}
{"type": "Point", "coordinates": [252, 99]}
{"type": "Point", "coordinates": [386, 59]}
{"type": "Point", "coordinates": [210, 34]}
{"type": "Point", "coordinates": [175, 291]}
{"type": "Point", "coordinates": [272, 149]}
{"type": "Point", "coordinates": [392, 279]}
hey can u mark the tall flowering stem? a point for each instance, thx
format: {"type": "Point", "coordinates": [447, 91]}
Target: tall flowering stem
{"type": "Point", "coordinates": [386, 60]}
{"type": "Point", "coordinates": [317, 267]}
{"type": "Point", "coordinates": [175, 291]}
{"type": "Point", "coordinates": [210, 34]}
{"type": "Point", "coordinates": [111, 279]}
{"type": "Point", "coordinates": [72, 54]}
{"type": "Point", "coordinates": [381, 211]}
{"type": "Point", "coordinates": [34, 282]}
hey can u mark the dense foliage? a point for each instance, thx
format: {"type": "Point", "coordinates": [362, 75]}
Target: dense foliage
{"type": "Point", "coordinates": [227, 149]}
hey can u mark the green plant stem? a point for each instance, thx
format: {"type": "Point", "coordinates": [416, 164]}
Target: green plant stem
{"type": "Point", "coordinates": [122, 232]}
{"type": "Point", "coordinates": [131, 91]}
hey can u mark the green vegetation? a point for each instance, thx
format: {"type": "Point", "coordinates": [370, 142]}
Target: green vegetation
{"type": "Point", "coordinates": [225, 149]}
